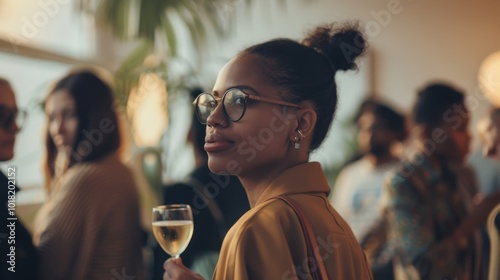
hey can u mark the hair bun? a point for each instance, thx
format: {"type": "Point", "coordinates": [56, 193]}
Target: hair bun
{"type": "Point", "coordinates": [342, 44]}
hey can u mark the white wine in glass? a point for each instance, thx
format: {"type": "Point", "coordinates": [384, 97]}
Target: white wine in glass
{"type": "Point", "coordinates": [173, 227]}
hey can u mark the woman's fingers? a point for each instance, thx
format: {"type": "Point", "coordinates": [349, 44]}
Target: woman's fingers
{"type": "Point", "coordinates": [174, 269]}
{"type": "Point", "coordinates": [170, 266]}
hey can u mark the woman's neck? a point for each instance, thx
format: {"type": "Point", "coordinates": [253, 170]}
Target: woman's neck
{"type": "Point", "coordinates": [61, 163]}
{"type": "Point", "coordinates": [256, 182]}
{"type": "Point", "coordinates": [254, 189]}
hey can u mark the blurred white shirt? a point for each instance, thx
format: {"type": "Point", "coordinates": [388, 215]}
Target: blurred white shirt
{"type": "Point", "coordinates": [356, 194]}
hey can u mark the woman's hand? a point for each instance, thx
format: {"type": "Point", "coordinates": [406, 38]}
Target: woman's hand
{"type": "Point", "coordinates": [175, 270]}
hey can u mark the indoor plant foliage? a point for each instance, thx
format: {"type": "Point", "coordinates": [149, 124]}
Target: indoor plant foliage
{"type": "Point", "coordinates": [153, 23]}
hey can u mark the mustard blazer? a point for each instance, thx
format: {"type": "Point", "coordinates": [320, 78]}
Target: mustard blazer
{"type": "Point", "coordinates": [267, 242]}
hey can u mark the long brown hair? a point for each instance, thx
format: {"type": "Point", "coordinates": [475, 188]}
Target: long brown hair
{"type": "Point", "coordinates": [98, 133]}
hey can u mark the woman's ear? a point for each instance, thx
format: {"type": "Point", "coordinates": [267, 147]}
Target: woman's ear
{"type": "Point", "coordinates": [306, 120]}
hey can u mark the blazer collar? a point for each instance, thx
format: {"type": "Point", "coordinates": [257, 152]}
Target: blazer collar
{"type": "Point", "coordinates": [303, 178]}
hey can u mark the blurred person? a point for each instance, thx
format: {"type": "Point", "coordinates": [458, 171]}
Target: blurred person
{"type": "Point", "coordinates": [271, 105]}
{"type": "Point", "coordinates": [484, 164]}
{"type": "Point", "coordinates": [367, 104]}
{"type": "Point", "coordinates": [358, 186]}
{"type": "Point", "coordinates": [19, 256]}
{"type": "Point", "coordinates": [433, 224]}
{"type": "Point", "coordinates": [491, 134]}
{"type": "Point", "coordinates": [487, 166]}
{"type": "Point", "coordinates": [89, 226]}
{"type": "Point", "coordinates": [217, 203]}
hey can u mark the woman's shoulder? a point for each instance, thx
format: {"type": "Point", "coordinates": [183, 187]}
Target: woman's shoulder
{"type": "Point", "coordinates": [269, 216]}
{"type": "Point", "coordinates": [109, 165]}
{"type": "Point", "coordinates": [276, 208]}
{"type": "Point", "coordinates": [108, 171]}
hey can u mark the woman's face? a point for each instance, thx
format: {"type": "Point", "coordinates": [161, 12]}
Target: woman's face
{"type": "Point", "coordinates": [62, 120]}
{"type": "Point", "coordinates": [260, 140]}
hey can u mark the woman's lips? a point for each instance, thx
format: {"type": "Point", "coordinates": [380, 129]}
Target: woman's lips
{"type": "Point", "coordinates": [214, 147]}
{"type": "Point", "coordinates": [216, 143]}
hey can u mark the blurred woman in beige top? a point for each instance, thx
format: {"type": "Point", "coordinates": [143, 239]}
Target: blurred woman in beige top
{"type": "Point", "coordinates": [89, 226]}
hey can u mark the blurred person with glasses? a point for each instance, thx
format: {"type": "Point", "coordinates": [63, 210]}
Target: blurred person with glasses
{"type": "Point", "coordinates": [19, 257]}
{"type": "Point", "coordinates": [270, 107]}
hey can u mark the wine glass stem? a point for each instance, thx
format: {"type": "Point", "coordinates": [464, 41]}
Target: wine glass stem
{"type": "Point", "coordinates": [176, 257]}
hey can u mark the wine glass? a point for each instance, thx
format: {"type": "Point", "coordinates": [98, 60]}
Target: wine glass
{"type": "Point", "coordinates": [173, 227]}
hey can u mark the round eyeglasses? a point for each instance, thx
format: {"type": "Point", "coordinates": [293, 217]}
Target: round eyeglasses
{"type": "Point", "coordinates": [234, 104]}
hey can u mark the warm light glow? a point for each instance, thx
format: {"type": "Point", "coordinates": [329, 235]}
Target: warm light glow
{"type": "Point", "coordinates": [146, 109]}
{"type": "Point", "coordinates": [489, 78]}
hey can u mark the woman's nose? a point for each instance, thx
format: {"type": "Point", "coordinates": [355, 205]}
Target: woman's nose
{"type": "Point", "coordinates": [59, 126]}
{"type": "Point", "coordinates": [217, 116]}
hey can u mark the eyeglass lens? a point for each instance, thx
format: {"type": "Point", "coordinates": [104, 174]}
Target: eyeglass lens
{"type": "Point", "coordinates": [233, 103]}
{"type": "Point", "coordinates": [205, 105]}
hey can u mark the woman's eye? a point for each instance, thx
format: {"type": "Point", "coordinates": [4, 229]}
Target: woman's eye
{"type": "Point", "coordinates": [239, 100]}
{"type": "Point", "coordinates": [210, 104]}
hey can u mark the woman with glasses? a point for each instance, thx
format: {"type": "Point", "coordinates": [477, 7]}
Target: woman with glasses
{"type": "Point", "coordinates": [19, 258]}
{"type": "Point", "coordinates": [270, 107]}
{"type": "Point", "coordinates": [89, 226]}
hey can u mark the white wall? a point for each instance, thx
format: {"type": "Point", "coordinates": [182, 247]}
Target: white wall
{"type": "Point", "coordinates": [54, 25]}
